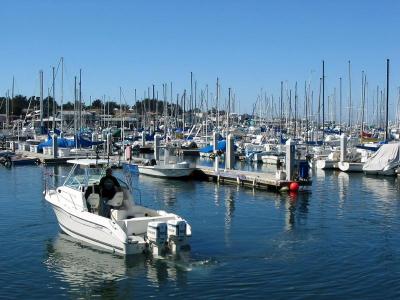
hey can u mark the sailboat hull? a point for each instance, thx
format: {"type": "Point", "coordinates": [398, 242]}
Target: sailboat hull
{"type": "Point", "coordinates": [165, 172]}
{"type": "Point", "coordinates": [350, 166]}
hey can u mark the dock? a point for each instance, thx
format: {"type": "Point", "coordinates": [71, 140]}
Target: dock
{"type": "Point", "coordinates": [48, 159]}
{"type": "Point", "coordinates": [257, 180]}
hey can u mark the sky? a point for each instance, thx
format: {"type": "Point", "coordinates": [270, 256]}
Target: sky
{"type": "Point", "coordinates": [249, 45]}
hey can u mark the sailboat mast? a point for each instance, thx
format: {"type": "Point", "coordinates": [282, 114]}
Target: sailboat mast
{"type": "Point", "coordinates": [362, 104]}
{"type": "Point", "coordinates": [349, 96]}
{"type": "Point", "coordinates": [184, 112]}
{"type": "Point", "coordinates": [75, 107]}
{"type": "Point", "coordinates": [41, 101]}
{"type": "Point", "coordinates": [229, 109]}
{"type": "Point", "coordinates": [62, 91]}
{"type": "Point", "coordinates": [7, 108]}
{"type": "Point", "coordinates": [323, 101]}
{"type": "Point", "coordinates": [295, 110]}
{"type": "Point", "coordinates": [340, 104]}
{"type": "Point", "coordinates": [120, 114]}
{"type": "Point", "coordinates": [280, 113]}
{"type": "Point", "coordinates": [80, 99]}
{"type": "Point", "coordinates": [387, 102]}
{"type": "Point", "coordinates": [54, 99]}
{"type": "Point", "coordinates": [217, 103]}
{"type": "Point", "coordinates": [12, 96]}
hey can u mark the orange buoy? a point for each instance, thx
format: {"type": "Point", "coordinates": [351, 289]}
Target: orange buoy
{"type": "Point", "coordinates": [294, 186]}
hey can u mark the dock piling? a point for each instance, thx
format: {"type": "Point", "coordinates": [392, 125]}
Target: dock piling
{"type": "Point", "coordinates": [290, 157]}
{"type": "Point", "coordinates": [109, 144]}
{"type": "Point", "coordinates": [55, 145]}
{"type": "Point", "coordinates": [94, 139]}
{"type": "Point", "coordinates": [157, 147]}
{"type": "Point", "coordinates": [143, 138]}
{"type": "Point", "coordinates": [215, 141]}
{"type": "Point", "coordinates": [229, 155]}
{"type": "Point", "coordinates": [343, 147]}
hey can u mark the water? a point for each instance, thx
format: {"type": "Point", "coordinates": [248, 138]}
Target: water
{"type": "Point", "coordinates": [341, 240]}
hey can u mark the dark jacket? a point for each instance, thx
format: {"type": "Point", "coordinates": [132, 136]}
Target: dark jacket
{"type": "Point", "coordinates": [108, 185]}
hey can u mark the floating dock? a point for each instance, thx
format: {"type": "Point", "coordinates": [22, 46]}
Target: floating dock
{"type": "Point", "coordinates": [256, 180]}
{"type": "Point", "coordinates": [48, 159]}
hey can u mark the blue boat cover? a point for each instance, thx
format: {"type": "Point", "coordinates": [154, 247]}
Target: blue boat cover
{"type": "Point", "coordinates": [221, 147]}
{"type": "Point", "coordinates": [65, 143]}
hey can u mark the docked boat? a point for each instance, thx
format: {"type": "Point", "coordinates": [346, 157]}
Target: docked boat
{"type": "Point", "coordinates": [129, 229]}
{"type": "Point", "coordinates": [330, 163]}
{"type": "Point", "coordinates": [326, 164]}
{"type": "Point", "coordinates": [272, 158]}
{"type": "Point", "coordinates": [347, 166]}
{"type": "Point", "coordinates": [178, 170]}
{"type": "Point", "coordinates": [385, 161]}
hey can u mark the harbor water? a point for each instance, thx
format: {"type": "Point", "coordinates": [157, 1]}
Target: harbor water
{"type": "Point", "coordinates": [341, 240]}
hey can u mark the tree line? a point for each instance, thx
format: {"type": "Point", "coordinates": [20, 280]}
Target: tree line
{"type": "Point", "coordinates": [20, 104]}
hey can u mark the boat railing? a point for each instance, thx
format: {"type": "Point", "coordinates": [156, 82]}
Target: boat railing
{"type": "Point", "coordinates": [49, 184]}
{"type": "Point", "coordinates": [49, 180]}
{"type": "Point", "coordinates": [129, 181]}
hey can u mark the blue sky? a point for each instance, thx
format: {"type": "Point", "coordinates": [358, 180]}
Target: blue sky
{"type": "Point", "coordinates": [247, 44]}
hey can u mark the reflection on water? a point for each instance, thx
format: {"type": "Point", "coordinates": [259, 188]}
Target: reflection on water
{"type": "Point", "coordinates": [88, 270]}
{"type": "Point", "coordinates": [229, 207]}
{"type": "Point", "coordinates": [343, 184]}
{"type": "Point", "coordinates": [229, 210]}
{"type": "Point", "coordinates": [92, 272]}
{"type": "Point", "coordinates": [296, 209]}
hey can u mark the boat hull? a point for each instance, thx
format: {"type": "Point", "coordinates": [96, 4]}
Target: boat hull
{"type": "Point", "coordinates": [327, 164]}
{"type": "Point", "coordinates": [390, 172]}
{"type": "Point", "coordinates": [350, 166]}
{"type": "Point", "coordinates": [270, 159]}
{"type": "Point", "coordinates": [103, 234]}
{"type": "Point", "coordinates": [165, 172]}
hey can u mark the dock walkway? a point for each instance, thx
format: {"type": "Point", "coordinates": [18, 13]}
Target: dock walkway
{"type": "Point", "coordinates": [246, 178]}
{"type": "Point", "coordinates": [48, 159]}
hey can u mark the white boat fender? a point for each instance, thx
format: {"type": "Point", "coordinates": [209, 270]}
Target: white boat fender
{"type": "Point", "coordinates": [284, 189]}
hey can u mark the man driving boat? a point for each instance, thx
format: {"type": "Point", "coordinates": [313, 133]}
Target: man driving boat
{"type": "Point", "coordinates": [109, 185]}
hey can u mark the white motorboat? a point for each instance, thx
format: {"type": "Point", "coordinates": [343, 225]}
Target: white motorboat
{"type": "Point", "coordinates": [178, 170]}
{"type": "Point", "coordinates": [272, 159]}
{"type": "Point", "coordinates": [130, 229]}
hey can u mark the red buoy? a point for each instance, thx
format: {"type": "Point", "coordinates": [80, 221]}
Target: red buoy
{"type": "Point", "coordinates": [294, 187]}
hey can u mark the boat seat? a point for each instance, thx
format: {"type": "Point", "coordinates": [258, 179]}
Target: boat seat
{"type": "Point", "coordinates": [94, 201]}
{"type": "Point", "coordinates": [117, 200]}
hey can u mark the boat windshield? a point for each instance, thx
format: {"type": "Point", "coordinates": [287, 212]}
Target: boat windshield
{"type": "Point", "coordinates": [79, 177]}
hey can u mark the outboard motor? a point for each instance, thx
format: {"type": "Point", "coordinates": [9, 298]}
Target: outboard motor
{"type": "Point", "coordinates": [177, 235]}
{"type": "Point", "coordinates": [157, 236]}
